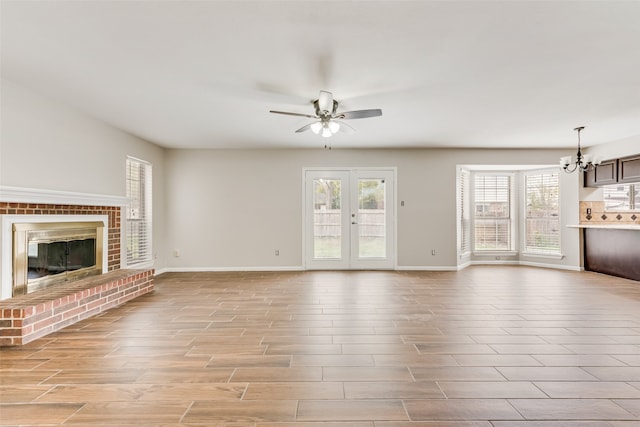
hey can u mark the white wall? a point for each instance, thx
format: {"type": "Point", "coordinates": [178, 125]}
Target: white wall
{"type": "Point", "coordinates": [231, 209]}
{"type": "Point", "coordinates": [49, 146]}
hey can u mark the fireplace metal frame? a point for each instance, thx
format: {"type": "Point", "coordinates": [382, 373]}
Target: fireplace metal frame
{"type": "Point", "coordinates": [52, 231]}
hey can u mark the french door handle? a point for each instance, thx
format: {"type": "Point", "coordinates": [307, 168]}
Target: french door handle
{"type": "Point", "coordinates": [353, 222]}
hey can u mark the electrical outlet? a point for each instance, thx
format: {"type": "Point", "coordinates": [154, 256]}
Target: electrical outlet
{"type": "Point", "coordinates": [277, 252]}
{"type": "Point", "coordinates": [588, 211]}
{"type": "Point", "coordinates": [176, 253]}
{"type": "Point", "coordinates": [433, 252]}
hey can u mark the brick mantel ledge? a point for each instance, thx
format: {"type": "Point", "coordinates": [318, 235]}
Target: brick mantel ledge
{"type": "Point", "coordinates": [27, 317]}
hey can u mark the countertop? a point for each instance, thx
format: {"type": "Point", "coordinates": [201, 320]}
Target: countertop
{"type": "Point", "coordinates": [608, 225]}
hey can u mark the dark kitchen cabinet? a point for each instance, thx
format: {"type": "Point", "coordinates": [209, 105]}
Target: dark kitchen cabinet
{"type": "Point", "coordinates": [604, 174]}
{"type": "Point", "coordinates": [629, 169]}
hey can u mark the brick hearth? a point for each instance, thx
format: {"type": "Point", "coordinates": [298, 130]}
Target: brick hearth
{"type": "Point", "coordinates": [27, 317]}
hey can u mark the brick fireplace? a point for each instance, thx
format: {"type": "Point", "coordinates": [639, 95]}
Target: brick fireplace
{"type": "Point", "coordinates": [112, 212]}
{"type": "Point", "coordinates": [24, 318]}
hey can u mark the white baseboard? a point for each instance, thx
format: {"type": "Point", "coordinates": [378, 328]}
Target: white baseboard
{"type": "Point", "coordinates": [496, 262]}
{"type": "Point", "coordinates": [398, 268]}
{"type": "Point", "coordinates": [425, 268]}
{"type": "Point", "coordinates": [229, 269]}
{"type": "Point", "coordinates": [556, 266]}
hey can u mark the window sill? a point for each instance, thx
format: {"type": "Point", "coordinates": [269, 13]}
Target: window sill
{"type": "Point", "coordinates": [542, 255]}
{"type": "Point", "coordinates": [495, 253]}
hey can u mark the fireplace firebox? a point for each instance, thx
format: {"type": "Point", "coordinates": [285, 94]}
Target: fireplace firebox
{"type": "Point", "coordinates": [49, 253]}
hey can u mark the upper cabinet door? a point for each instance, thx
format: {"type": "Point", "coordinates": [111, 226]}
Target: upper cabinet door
{"type": "Point", "coordinates": [606, 173]}
{"type": "Point", "coordinates": [629, 169]}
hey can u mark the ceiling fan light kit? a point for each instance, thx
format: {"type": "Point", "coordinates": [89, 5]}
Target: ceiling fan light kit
{"type": "Point", "coordinates": [328, 120]}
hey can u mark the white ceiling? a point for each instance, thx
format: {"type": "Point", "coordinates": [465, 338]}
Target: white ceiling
{"type": "Point", "coordinates": [204, 74]}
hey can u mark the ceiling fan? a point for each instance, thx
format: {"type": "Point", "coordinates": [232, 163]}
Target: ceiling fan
{"type": "Point", "coordinates": [328, 120]}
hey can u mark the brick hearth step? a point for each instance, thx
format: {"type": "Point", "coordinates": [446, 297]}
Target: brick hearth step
{"type": "Point", "coordinates": [27, 317]}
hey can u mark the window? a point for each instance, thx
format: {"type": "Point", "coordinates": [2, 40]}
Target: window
{"type": "Point", "coordinates": [492, 212]}
{"type": "Point", "coordinates": [542, 219]}
{"type": "Point", "coordinates": [139, 211]}
{"type": "Point", "coordinates": [464, 213]}
{"type": "Point", "coordinates": [621, 197]}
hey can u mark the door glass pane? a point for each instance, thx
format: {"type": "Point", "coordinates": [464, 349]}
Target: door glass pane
{"type": "Point", "coordinates": [371, 218]}
{"type": "Point", "coordinates": [327, 226]}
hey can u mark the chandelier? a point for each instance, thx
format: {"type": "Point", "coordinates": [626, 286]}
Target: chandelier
{"type": "Point", "coordinates": [583, 162]}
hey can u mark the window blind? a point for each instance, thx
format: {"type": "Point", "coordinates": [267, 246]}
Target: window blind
{"type": "Point", "coordinates": [138, 217]}
{"type": "Point", "coordinates": [542, 213]}
{"type": "Point", "coordinates": [464, 203]}
{"type": "Point", "coordinates": [621, 197]}
{"type": "Point", "coordinates": [492, 212]}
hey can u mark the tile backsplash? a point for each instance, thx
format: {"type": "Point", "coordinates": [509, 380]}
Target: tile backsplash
{"type": "Point", "coordinates": [598, 215]}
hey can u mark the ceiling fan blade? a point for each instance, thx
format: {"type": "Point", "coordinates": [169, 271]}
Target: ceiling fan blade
{"type": "Point", "coordinates": [325, 101]}
{"type": "Point", "coordinates": [359, 114]}
{"type": "Point", "coordinates": [345, 127]}
{"type": "Point", "coordinates": [287, 113]}
{"type": "Point", "coordinates": [305, 128]}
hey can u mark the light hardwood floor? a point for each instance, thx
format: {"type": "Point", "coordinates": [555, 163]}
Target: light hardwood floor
{"type": "Point", "coordinates": [486, 346]}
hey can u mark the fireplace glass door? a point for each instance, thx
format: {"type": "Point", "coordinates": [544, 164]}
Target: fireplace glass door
{"type": "Point", "coordinates": [49, 258]}
{"type": "Point", "coordinates": [45, 254]}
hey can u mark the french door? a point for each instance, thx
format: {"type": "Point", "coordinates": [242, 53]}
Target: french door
{"type": "Point", "coordinates": [349, 219]}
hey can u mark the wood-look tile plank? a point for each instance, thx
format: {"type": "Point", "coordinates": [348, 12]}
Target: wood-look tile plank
{"type": "Point", "coordinates": [184, 375]}
{"type": "Point", "coordinates": [628, 359]}
{"type": "Point", "coordinates": [490, 390]}
{"type": "Point", "coordinates": [615, 373]}
{"type": "Point", "coordinates": [96, 413]}
{"type": "Point", "coordinates": [445, 348]}
{"type": "Point", "coordinates": [241, 411]}
{"type": "Point", "coordinates": [378, 348]}
{"type": "Point", "coordinates": [94, 393]}
{"type": "Point", "coordinates": [318, 424]}
{"type": "Point", "coordinates": [249, 361]}
{"type": "Point", "coordinates": [94, 376]}
{"type": "Point", "coordinates": [564, 423]}
{"type": "Point", "coordinates": [296, 339]}
{"type": "Point", "coordinates": [496, 360]}
{"type": "Point", "coordinates": [414, 360]}
{"type": "Point", "coordinates": [303, 349]}
{"type": "Point", "coordinates": [332, 360]}
{"type": "Point", "coordinates": [461, 410]}
{"type": "Point", "coordinates": [366, 373]}
{"type": "Point", "coordinates": [18, 394]}
{"type": "Point", "coordinates": [456, 373]}
{"type": "Point", "coordinates": [351, 410]}
{"type": "Point", "coordinates": [35, 377]}
{"type": "Point", "coordinates": [579, 360]}
{"type": "Point", "coordinates": [435, 424]}
{"type": "Point", "coordinates": [192, 392]}
{"type": "Point", "coordinates": [508, 339]}
{"type": "Point", "coordinates": [294, 391]}
{"type": "Point", "coordinates": [604, 349]}
{"type": "Point", "coordinates": [14, 414]}
{"type": "Point", "coordinates": [570, 409]}
{"type": "Point", "coordinates": [393, 390]}
{"type": "Point", "coordinates": [304, 374]}
{"type": "Point", "coordinates": [588, 390]}
{"type": "Point", "coordinates": [530, 349]}
{"type": "Point", "coordinates": [545, 373]}
{"type": "Point", "coordinates": [630, 405]}
{"type": "Point", "coordinates": [368, 339]}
